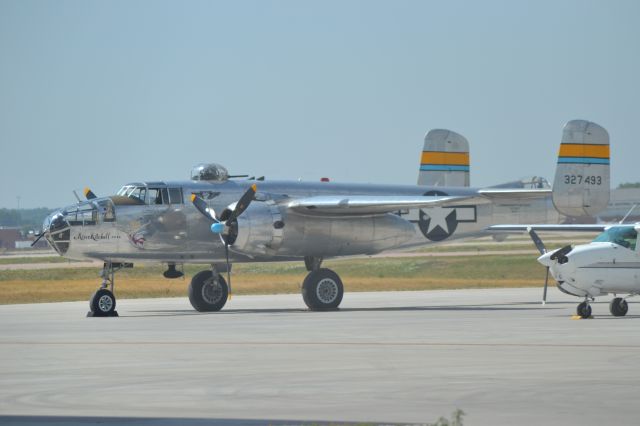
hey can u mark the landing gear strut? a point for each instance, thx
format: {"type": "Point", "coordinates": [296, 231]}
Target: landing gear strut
{"type": "Point", "coordinates": [103, 302]}
{"type": "Point", "coordinates": [208, 291]}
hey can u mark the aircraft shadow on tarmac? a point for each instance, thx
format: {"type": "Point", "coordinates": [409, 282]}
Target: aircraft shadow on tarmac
{"type": "Point", "coordinates": [520, 306]}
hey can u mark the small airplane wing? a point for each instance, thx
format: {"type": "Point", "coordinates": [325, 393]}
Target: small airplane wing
{"type": "Point", "coordinates": [550, 228]}
{"type": "Point", "coordinates": [364, 204]}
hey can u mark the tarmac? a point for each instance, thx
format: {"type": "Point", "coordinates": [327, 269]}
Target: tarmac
{"type": "Point", "coordinates": [384, 357]}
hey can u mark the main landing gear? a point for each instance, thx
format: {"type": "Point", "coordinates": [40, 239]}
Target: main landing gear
{"type": "Point", "coordinates": [103, 302]}
{"type": "Point", "coordinates": [618, 307]}
{"type": "Point", "coordinates": [322, 289]}
{"type": "Point", "coordinates": [208, 291]}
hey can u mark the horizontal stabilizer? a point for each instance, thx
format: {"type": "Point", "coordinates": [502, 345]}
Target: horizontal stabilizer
{"type": "Point", "coordinates": [444, 160]}
{"type": "Point", "coordinates": [548, 228]}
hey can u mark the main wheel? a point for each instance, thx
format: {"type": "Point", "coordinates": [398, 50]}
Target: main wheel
{"type": "Point", "coordinates": [102, 303]}
{"type": "Point", "coordinates": [208, 293]}
{"type": "Point", "coordinates": [618, 307]}
{"type": "Point", "coordinates": [584, 310]}
{"type": "Point", "coordinates": [322, 290]}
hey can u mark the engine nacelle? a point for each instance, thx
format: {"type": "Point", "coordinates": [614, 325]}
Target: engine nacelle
{"type": "Point", "coordinates": [267, 229]}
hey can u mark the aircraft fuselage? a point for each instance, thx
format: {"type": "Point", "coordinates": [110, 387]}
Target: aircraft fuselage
{"type": "Point", "coordinates": [164, 226]}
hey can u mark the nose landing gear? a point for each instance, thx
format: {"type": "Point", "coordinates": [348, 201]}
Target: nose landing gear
{"type": "Point", "coordinates": [584, 309]}
{"type": "Point", "coordinates": [103, 302]}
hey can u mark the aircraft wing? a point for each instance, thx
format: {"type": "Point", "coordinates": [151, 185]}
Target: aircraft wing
{"type": "Point", "coordinates": [514, 193]}
{"type": "Point", "coordinates": [550, 228]}
{"type": "Point", "coordinates": [365, 204]}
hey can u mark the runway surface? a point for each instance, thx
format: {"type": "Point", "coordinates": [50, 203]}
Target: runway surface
{"type": "Point", "coordinates": [402, 357]}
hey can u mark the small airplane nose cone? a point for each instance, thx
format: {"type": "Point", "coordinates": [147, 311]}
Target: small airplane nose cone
{"type": "Point", "coordinates": [217, 228]}
{"type": "Point", "coordinates": [545, 259]}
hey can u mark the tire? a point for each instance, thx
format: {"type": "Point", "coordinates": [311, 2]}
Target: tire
{"type": "Point", "coordinates": [322, 290]}
{"type": "Point", "coordinates": [618, 307]}
{"type": "Point", "coordinates": [207, 294]}
{"type": "Point", "coordinates": [584, 310]}
{"type": "Point", "coordinates": [102, 303]}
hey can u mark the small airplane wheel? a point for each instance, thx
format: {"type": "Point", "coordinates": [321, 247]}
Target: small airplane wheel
{"type": "Point", "coordinates": [322, 290]}
{"type": "Point", "coordinates": [584, 310]}
{"type": "Point", "coordinates": [102, 303]}
{"type": "Point", "coordinates": [618, 307]}
{"type": "Point", "coordinates": [207, 294]}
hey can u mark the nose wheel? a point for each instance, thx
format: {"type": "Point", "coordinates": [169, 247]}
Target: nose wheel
{"type": "Point", "coordinates": [103, 302]}
{"type": "Point", "coordinates": [584, 310]}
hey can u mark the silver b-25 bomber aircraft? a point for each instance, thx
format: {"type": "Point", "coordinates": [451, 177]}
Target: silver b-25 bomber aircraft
{"type": "Point", "coordinates": [264, 221]}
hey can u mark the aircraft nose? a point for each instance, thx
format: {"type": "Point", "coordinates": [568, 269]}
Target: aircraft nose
{"type": "Point", "coordinates": [56, 231]}
{"type": "Point", "coordinates": [545, 259]}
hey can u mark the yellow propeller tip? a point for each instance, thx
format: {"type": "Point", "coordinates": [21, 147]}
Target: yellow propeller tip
{"type": "Point", "coordinates": [193, 197]}
{"type": "Point", "coordinates": [254, 187]}
{"type": "Point", "coordinates": [86, 190]}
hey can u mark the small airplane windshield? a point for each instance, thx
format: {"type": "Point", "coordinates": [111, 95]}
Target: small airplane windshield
{"type": "Point", "coordinates": [625, 236]}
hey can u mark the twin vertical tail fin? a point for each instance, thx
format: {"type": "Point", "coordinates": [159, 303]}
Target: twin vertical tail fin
{"type": "Point", "coordinates": [582, 184]}
{"type": "Point", "coordinates": [445, 159]}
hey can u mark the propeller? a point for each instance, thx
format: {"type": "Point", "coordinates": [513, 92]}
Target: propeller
{"type": "Point", "coordinates": [225, 226]}
{"type": "Point", "coordinates": [542, 249]}
{"type": "Point", "coordinates": [38, 236]}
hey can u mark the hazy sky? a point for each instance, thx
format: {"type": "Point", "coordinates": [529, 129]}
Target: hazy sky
{"type": "Point", "coordinates": [102, 93]}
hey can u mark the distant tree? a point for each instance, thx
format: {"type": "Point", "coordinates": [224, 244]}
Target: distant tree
{"type": "Point", "coordinates": [629, 185]}
{"type": "Point", "coordinates": [26, 219]}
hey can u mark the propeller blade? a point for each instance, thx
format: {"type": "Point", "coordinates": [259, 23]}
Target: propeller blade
{"type": "Point", "coordinates": [38, 236]}
{"type": "Point", "coordinates": [537, 241]}
{"type": "Point", "coordinates": [243, 203]}
{"type": "Point", "coordinates": [546, 283]}
{"type": "Point", "coordinates": [203, 208]}
{"type": "Point", "coordinates": [89, 195]}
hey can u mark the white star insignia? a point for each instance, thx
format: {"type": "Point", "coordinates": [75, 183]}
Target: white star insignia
{"type": "Point", "coordinates": [438, 217]}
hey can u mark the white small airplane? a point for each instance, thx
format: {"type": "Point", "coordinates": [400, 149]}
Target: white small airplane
{"type": "Point", "coordinates": [608, 264]}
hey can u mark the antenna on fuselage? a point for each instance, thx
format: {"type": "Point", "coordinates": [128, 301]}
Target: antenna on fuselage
{"type": "Point", "coordinates": [633, 207]}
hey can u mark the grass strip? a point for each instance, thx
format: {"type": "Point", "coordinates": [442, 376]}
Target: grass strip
{"type": "Point", "coordinates": [375, 274]}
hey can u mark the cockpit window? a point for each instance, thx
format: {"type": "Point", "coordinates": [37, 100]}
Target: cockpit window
{"type": "Point", "coordinates": [155, 196]}
{"type": "Point", "coordinates": [625, 236]}
{"type": "Point", "coordinates": [175, 195]}
{"type": "Point", "coordinates": [82, 214]}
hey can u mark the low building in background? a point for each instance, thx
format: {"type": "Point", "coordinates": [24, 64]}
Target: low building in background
{"type": "Point", "coordinates": [8, 238]}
